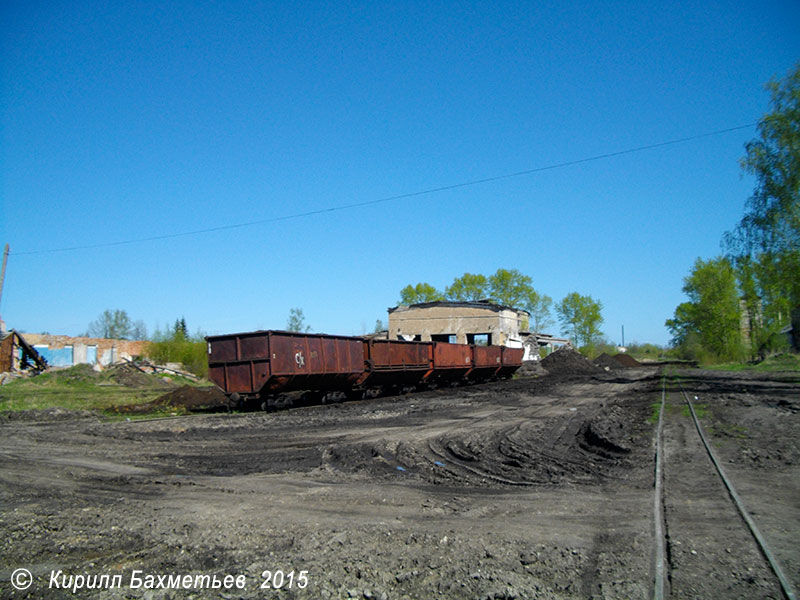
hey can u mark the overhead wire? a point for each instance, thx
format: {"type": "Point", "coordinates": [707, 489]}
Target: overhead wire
{"type": "Point", "coordinates": [424, 192]}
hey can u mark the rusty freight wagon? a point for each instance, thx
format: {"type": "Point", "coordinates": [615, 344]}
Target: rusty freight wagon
{"type": "Point", "coordinates": [262, 363]}
{"type": "Point", "coordinates": [396, 363]}
{"type": "Point", "coordinates": [260, 366]}
{"type": "Point", "coordinates": [452, 362]}
{"type": "Point", "coordinates": [510, 361]}
{"type": "Point", "coordinates": [486, 362]}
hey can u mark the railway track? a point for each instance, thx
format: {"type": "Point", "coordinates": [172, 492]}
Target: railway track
{"type": "Point", "coordinates": [707, 544]}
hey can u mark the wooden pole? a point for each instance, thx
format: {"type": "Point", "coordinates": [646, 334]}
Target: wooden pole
{"type": "Point", "coordinates": [3, 272]}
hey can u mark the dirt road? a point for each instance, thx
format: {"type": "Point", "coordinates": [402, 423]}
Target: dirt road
{"type": "Point", "coordinates": [531, 488]}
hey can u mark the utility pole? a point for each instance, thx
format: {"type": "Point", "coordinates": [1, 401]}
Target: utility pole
{"type": "Point", "coordinates": [2, 279]}
{"type": "Point", "coordinates": [3, 272]}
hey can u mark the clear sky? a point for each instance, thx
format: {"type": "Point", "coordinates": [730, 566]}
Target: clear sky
{"type": "Point", "coordinates": [129, 120]}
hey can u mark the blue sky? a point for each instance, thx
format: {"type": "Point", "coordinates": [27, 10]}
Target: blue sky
{"type": "Point", "coordinates": [124, 121]}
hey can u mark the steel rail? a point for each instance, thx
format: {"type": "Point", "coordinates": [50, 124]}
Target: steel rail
{"type": "Point", "coordinates": [756, 533]}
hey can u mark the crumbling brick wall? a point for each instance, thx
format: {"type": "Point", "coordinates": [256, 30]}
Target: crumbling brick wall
{"type": "Point", "coordinates": [105, 351]}
{"type": "Point", "coordinates": [7, 353]}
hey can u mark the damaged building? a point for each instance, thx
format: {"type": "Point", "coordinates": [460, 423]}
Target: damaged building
{"type": "Point", "coordinates": [459, 323]}
{"type": "Point", "coordinates": [481, 322]}
{"type": "Point", "coordinates": [38, 351]}
{"type": "Point", "coordinates": [17, 355]}
{"type": "Point", "coordinates": [66, 351]}
{"type": "Point", "coordinates": [541, 344]}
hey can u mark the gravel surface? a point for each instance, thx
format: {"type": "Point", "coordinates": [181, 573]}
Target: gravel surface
{"type": "Point", "coordinates": [531, 488]}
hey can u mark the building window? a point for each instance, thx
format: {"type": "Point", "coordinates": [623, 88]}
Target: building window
{"type": "Point", "coordinates": [479, 339]}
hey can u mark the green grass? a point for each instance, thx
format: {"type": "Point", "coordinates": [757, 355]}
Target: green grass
{"type": "Point", "coordinates": [113, 415]}
{"type": "Point", "coordinates": [781, 362]}
{"type": "Point", "coordinates": [701, 410]}
{"type": "Point", "coordinates": [655, 412]}
{"type": "Point", "coordinates": [76, 388]}
{"type": "Point", "coordinates": [728, 430]}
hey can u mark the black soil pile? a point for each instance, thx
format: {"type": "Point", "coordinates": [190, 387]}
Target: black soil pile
{"type": "Point", "coordinates": [626, 360]}
{"type": "Point", "coordinates": [566, 361]}
{"type": "Point", "coordinates": [618, 361]}
{"type": "Point", "coordinates": [607, 361]}
{"type": "Point", "coordinates": [186, 398]}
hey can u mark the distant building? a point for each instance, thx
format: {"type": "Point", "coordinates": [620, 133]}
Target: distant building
{"type": "Point", "coordinates": [748, 322]}
{"type": "Point", "coordinates": [459, 323]}
{"type": "Point", "coordinates": [792, 330]}
{"type": "Point", "coordinates": [534, 343]}
{"type": "Point", "coordinates": [65, 351]}
{"type": "Point", "coordinates": [16, 354]}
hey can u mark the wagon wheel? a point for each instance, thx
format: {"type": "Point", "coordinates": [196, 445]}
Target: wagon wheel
{"type": "Point", "coordinates": [234, 402]}
{"type": "Point", "coordinates": [354, 394]}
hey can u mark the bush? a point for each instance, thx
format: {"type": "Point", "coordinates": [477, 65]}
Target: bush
{"type": "Point", "coordinates": [175, 346]}
{"type": "Point", "coordinates": [775, 343]}
{"type": "Point", "coordinates": [646, 350]}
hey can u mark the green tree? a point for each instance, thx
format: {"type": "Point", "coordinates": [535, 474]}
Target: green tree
{"type": "Point", "coordinates": [112, 324]}
{"type": "Point", "coordinates": [180, 329]}
{"type": "Point", "coordinates": [510, 287]}
{"type": "Point", "coordinates": [751, 305]}
{"type": "Point", "coordinates": [682, 324]}
{"type": "Point", "coordinates": [581, 319]}
{"type": "Point", "coordinates": [422, 292]}
{"type": "Point", "coordinates": [379, 326]}
{"type": "Point", "coordinates": [467, 288]}
{"type": "Point", "coordinates": [297, 321]}
{"type": "Point", "coordinates": [539, 307]}
{"type": "Point", "coordinates": [768, 235]}
{"type": "Point", "coordinates": [710, 318]}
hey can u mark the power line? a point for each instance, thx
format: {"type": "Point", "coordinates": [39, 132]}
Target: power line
{"type": "Point", "coordinates": [341, 207]}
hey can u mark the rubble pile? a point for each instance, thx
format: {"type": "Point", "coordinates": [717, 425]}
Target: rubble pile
{"type": "Point", "coordinates": [127, 374]}
{"type": "Point", "coordinates": [531, 368]}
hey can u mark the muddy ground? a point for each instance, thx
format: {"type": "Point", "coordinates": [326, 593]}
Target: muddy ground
{"type": "Point", "coordinates": [532, 488]}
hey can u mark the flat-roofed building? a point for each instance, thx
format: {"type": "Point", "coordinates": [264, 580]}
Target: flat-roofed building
{"type": "Point", "coordinates": [459, 322]}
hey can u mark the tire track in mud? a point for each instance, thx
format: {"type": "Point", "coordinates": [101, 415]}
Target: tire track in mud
{"type": "Point", "coordinates": [564, 451]}
{"type": "Point", "coordinates": [575, 447]}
